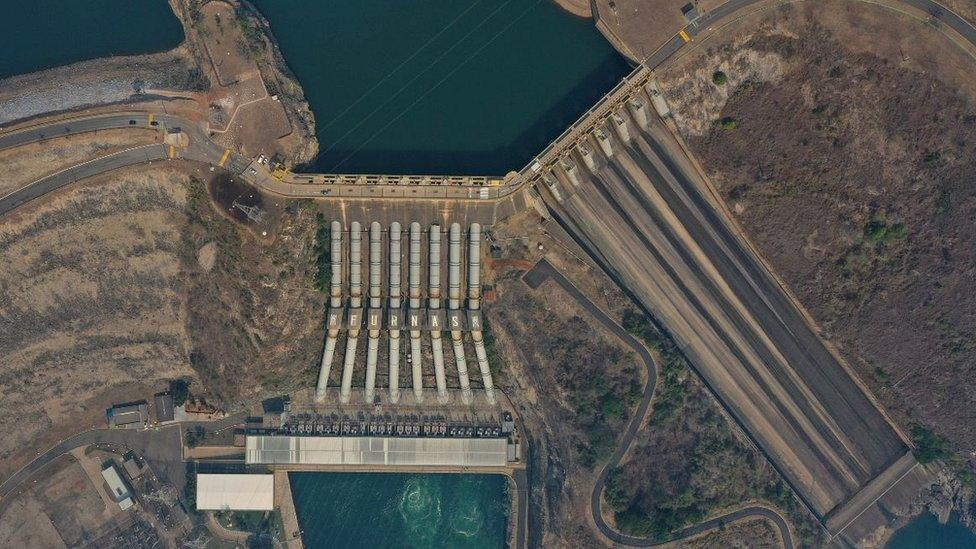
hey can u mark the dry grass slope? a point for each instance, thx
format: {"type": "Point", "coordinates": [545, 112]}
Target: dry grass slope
{"type": "Point", "coordinates": [22, 165]}
{"type": "Point", "coordinates": [90, 302]}
{"type": "Point", "coordinates": [850, 164]}
{"type": "Point", "coordinates": [255, 318]}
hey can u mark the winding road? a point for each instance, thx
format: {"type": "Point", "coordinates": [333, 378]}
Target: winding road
{"type": "Point", "coordinates": [542, 271]}
{"type": "Point", "coordinates": [201, 148]}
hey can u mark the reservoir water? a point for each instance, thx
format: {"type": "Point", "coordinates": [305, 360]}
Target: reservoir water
{"type": "Point", "coordinates": [41, 34]}
{"type": "Point", "coordinates": [925, 532]}
{"type": "Point", "coordinates": [440, 86]}
{"type": "Point", "coordinates": [394, 510]}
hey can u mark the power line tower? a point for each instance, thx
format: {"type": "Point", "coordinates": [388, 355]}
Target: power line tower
{"type": "Point", "coordinates": [253, 213]}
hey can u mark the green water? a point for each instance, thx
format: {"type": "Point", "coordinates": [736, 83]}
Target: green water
{"type": "Point", "coordinates": [40, 34]}
{"type": "Point", "coordinates": [925, 532]}
{"type": "Point", "coordinates": [392, 510]}
{"type": "Point", "coordinates": [440, 86]}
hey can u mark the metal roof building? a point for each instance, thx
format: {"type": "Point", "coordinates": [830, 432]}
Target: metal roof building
{"type": "Point", "coordinates": [292, 450]}
{"type": "Point", "coordinates": [118, 489]}
{"type": "Point", "coordinates": [131, 465]}
{"type": "Point", "coordinates": [163, 402]}
{"type": "Point", "coordinates": [235, 492]}
{"type": "Point", "coordinates": [128, 416]}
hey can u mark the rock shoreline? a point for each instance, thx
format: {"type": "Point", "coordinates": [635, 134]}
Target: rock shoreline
{"type": "Point", "coordinates": [123, 80]}
{"type": "Point", "coordinates": [288, 89]}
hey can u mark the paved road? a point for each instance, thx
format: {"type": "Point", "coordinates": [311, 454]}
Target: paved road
{"type": "Point", "coordinates": [200, 148]}
{"type": "Point", "coordinates": [33, 134]}
{"type": "Point", "coordinates": [543, 271]}
{"type": "Point", "coordinates": [121, 159]}
{"type": "Point", "coordinates": [161, 446]}
{"type": "Point", "coordinates": [734, 7]}
{"type": "Point", "coordinates": [200, 145]}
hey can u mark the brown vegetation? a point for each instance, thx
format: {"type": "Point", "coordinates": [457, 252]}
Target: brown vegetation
{"type": "Point", "coordinates": [113, 287]}
{"type": "Point", "coordinates": [688, 462]}
{"type": "Point", "coordinates": [753, 534]}
{"type": "Point", "coordinates": [254, 317]}
{"type": "Point", "coordinates": [575, 385]}
{"type": "Point", "coordinates": [91, 305]}
{"type": "Point", "coordinates": [851, 167]}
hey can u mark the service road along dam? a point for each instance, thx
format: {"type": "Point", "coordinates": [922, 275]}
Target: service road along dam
{"type": "Point", "coordinates": [629, 196]}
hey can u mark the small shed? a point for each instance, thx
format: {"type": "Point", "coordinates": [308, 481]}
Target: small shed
{"type": "Point", "coordinates": [163, 403]}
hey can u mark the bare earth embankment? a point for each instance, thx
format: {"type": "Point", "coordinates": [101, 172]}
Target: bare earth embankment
{"type": "Point", "coordinates": [99, 81]}
{"type": "Point", "coordinates": [843, 137]}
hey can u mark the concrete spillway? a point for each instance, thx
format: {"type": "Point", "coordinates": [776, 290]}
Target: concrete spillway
{"type": "Point", "coordinates": [335, 302]}
{"type": "Point", "coordinates": [355, 303]}
{"type": "Point", "coordinates": [437, 344]}
{"type": "Point", "coordinates": [394, 304]}
{"type": "Point", "coordinates": [474, 303]}
{"type": "Point", "coordinates": [375, 302]}
{"type": "Point", "coordinates": [414, 289]}
{"type": "Point", "coordinates": [454, 303]}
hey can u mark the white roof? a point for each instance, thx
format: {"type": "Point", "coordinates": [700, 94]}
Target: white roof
{"type": "Point", "coordinates": [117, 488]}
{"type": "Point", "coordinates": [463, 452]}
{"type": "Point", "coordinates": [235, 492]}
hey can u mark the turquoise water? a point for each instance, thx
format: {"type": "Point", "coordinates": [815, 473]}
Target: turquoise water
{"type": "Point", "coordinates": [925, 532]}
{"type": "Point", "coordinates": [392, 510]}
{"type": "Point", "coordinates": [40, 34]}
{"type": "Point", "coordinates": [440, 86]}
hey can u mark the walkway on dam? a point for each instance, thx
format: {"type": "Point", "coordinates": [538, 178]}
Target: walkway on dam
{"type": "Point", "coordinates": [352, 187]}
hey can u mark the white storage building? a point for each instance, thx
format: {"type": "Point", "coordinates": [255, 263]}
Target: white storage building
{"type": "Point", "coordinates": [117, 487]}
{"type": "Point", "coordinates": [235, 492]}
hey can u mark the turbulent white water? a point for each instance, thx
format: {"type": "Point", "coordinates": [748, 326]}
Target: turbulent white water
{"type": "Point", "coordinates": [401, 510]}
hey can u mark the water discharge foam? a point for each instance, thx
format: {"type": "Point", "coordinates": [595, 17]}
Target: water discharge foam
{"type": "Point", "coordinates": [397, 510]}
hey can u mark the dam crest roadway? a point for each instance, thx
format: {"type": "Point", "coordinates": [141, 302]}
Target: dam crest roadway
{"type": "Point", "coordinates": [623, 189]}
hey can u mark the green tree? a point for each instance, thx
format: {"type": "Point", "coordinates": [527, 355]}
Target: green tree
{"type": "Point", "coordinates": [179, 389]}
{"type": "Point", "coordinates": [929, 446]}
